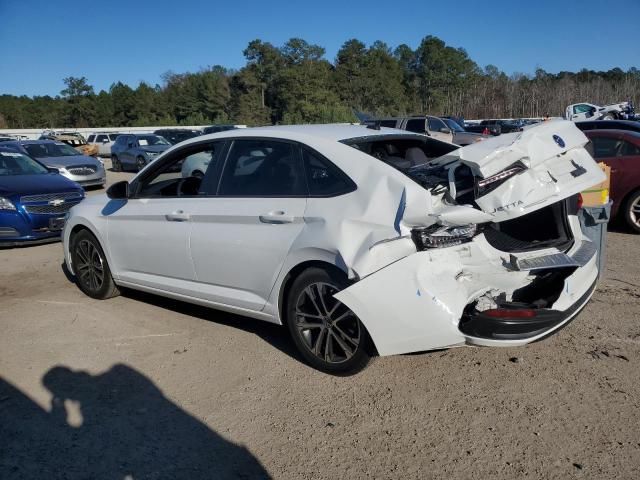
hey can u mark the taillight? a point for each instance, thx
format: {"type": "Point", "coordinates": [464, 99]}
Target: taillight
{"type": "Point", "coordinates": [486, 131]}
{"type": "Point", "coordinates": [488, 184]}
{"type": "Point", "coordinates": [509, 313]}
{"type": "Point", "coordinates": [580, 201]}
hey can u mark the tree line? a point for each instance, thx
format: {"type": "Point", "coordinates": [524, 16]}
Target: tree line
{"type": "Point", "coordinates": [295, 83]}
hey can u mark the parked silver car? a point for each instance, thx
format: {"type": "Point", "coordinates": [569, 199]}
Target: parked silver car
{"type": "Point", "coordinates": [82, 169]}
{"type": "Point", "coordinates": [134, 151]}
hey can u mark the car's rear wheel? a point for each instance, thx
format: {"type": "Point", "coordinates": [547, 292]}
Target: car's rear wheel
{"type": "Point", "coordinates": [328, 335]}
{"type": "Point", "coordinates": [91, 268]}
{"type": "Point", "coordinates": [140, 163]}
{"type": "Point", "coordinates": [632, 212]}
{"type": "Point", "coordinates": [116, 166]}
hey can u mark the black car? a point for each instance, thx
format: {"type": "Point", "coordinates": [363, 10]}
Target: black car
{"type": "Point", "coordinates": [608, 125]}
{"type": "Point", "coordinates": [217, 128]}
{"type": "Point", "coordinates": [177, 135]}
{"type": "Point", "coordinates": [506, 126]}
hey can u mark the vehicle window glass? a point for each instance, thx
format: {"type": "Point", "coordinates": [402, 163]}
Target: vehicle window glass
{"type": "Point", "coordinates": [582, 108]}
{"type": "Point", "coordinates": [113, 136]}
{"type": "Point", "coordinates": [41, 150]}
{"type": "Point", "coordinates": [14, 163]}
{"type": "Point", "coordinates": [145, 140]}
{"type": "Point", "coordinates": [605, 147]}
{"type": "Point", "coordinates": [91, 137]}
{"type": "Point", "coordinates": [628, 149]}
{"type": "Point", "coordinates": [262, 168]}
{"type": "Point", "coordinates": [185, 175]}
{"type": "Point", "coordinates": [388, 123]}
{"type": "Point", "coordinates": [453, 125]}
{"type": "Point", "coordinates": [324, 178]}
{"type": "Point", "coordinates": [416, 125]}
{"type": "Point", "coordinates": [435, 124]}
{"type": "Point", "coordinates": [101, 138]}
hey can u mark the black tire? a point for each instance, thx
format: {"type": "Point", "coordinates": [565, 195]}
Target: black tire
{"type": "Point", "coordinates": [116, 166]}
{"type": "Point", "coordinates": [632, 212]}
{"type": "Point", "coordinates": [335, 341]}
{"type": "Point", "coordinates": [197, 174]}
{"type": "Point", "coordinates": [140, 163]}
{"type": "Point", "coordinates": [92, 272]}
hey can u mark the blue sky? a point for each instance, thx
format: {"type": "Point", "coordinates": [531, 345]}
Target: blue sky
{"type": "Point", "coordinates": [41, 42]}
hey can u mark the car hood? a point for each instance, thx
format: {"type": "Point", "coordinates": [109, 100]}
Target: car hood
{"type": "Point", "coordinates": [19, 185]}
{"type": "Point", "coordinates": [69, 161]}
{"type": "Point", "coordinates": [556, 166]}
{"type": "Point", "coordinates": [155, 148]}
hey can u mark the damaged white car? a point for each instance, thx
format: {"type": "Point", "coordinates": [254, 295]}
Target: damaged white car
{"type": "Point", "coordinates": [359, 240]}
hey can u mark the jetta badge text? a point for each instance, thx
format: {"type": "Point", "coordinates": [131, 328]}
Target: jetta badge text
{"type": "Point", "coordinates": [558, 139]}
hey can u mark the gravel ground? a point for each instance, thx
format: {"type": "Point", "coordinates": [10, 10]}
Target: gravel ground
{"type": "Point", "coordinates": [143, 387]}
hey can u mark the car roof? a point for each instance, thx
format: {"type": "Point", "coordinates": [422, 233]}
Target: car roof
{"type": "Point", "coordinates": [613, 132]}
{"type": "Point", "coordinates": [328, 132]}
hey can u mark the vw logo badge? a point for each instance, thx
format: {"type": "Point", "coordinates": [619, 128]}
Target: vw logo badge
{"type": "Point", "coordinates": [558, 139]}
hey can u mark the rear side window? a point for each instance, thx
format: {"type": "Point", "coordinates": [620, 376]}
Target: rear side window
{"type": "Point", "coordinates": [323, 178]}
{"type": "Point", "coordinates": [90, 139]}
{"type": "Point", "coordinates": [416, 125]}
{"type": "Point", "coordinates": [605, 147]}
{"type": "Point", "coordinates": [101, 138]}
{"type": "Point", "coordinates": [256, 168]}
{"type": "Point", "coordinates": [628, 149]}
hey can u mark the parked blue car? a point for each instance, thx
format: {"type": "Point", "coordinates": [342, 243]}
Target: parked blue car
{"type": "Point", "coordinates": [134, 151]}
{"type": "Point", "coordinates": [33, 200]}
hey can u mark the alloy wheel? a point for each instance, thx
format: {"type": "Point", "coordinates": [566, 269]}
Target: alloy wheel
{"type": "Point", "coordinates": [89, 266]}
{"type": "Point", "coordinates": [634, 211]}
{"type": "Point", "coordinates": [328, 328]}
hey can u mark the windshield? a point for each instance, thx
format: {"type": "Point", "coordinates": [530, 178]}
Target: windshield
{"type": "Point", "coordinates": [44, 150]}
{"type": "Point", "coordinates": [145, 140]}
{"type": "Point", "coordinates": [453, 125]}
{"type": "Point", "coordinates": [14, 163]}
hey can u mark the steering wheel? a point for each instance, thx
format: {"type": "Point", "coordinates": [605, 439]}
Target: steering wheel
{"type": "Point", "coordinates": [189, 182]}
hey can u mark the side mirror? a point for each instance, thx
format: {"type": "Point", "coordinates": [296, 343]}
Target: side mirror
{"type": "Point", "coordinates": [119, 190]}
{"type": "Point", "coordinates": [53, 169]}
{"type": "Point", "coordinates": [445, 130]}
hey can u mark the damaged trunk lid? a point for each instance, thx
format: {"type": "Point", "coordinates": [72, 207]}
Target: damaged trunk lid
{"type": "Point", "coordinates": [518, 173]}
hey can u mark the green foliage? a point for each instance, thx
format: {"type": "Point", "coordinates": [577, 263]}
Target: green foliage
{"type": "Point", "coordinates": [295, 83]}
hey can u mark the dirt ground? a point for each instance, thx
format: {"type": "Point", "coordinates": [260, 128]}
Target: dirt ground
{"type": "Point", "coordinates": [143, 387]}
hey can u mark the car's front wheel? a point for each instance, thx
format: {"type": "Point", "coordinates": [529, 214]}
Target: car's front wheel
{"type": "Point", "coordinates": [116, 166]}
{"type": "Point", "coordinates": [632, 212]}
{"type": "Point", "coordinates": [91, 268]}
{"type": "Point", "coordinates": [328, 335]}
{"type": "Point", "coordinates": [140, 163]}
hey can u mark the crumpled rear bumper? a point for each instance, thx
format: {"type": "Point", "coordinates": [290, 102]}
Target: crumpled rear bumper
{"type": "Point", "coordinates": [418, 303]}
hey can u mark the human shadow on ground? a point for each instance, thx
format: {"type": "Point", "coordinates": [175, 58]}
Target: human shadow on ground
{"type": "Point", "coordinates": [128, 430]}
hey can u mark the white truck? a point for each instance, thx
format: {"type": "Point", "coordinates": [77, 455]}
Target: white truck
{"type": "Point", "coordinates": [581, 112]}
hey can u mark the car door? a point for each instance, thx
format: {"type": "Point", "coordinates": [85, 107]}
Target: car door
{"type": "Point", "coordinates": [439, 130]}
{"type": "Point", "coordinates": [102, 142]}
{"type": "Point", "coordinates": [621, 156]}
{"type": "Point", "coordinates": [149, 233]}
{"type": "Point", "coordinates": [241, 238]}
{"type": "Point", "coordinates": [125, 155]}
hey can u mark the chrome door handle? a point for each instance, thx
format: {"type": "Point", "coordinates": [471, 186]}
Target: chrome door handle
{"type": "Point", "coordinates": [178, 216]}
{"type": "Point", "coordinates": [276, 217]}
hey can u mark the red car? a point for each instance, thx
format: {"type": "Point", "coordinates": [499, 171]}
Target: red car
{"type": "Point", "coordinates": [620, 149]}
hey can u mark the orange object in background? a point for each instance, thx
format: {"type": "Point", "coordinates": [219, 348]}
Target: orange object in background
{"type": "Point", "coordinates": [598, 194]}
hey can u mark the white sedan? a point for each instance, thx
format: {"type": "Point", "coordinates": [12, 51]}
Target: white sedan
{"type": "Point", "coordinates": [359, 240]}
